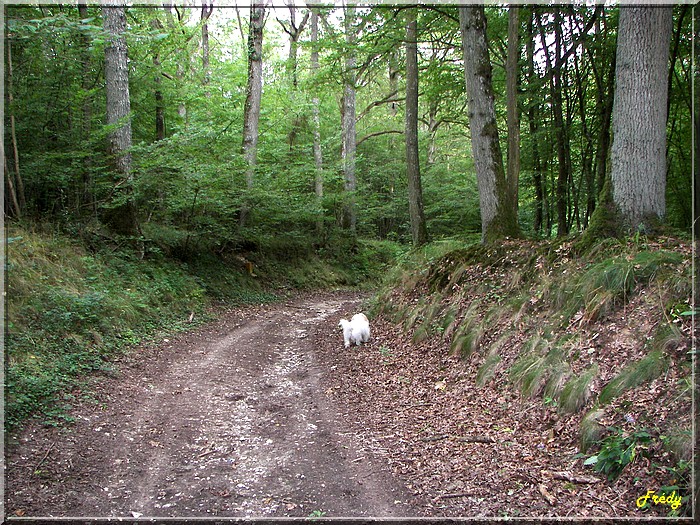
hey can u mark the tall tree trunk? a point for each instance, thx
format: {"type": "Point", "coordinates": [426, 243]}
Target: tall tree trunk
{"type": "Point", "coordinates": [604, 102]}
{"type": "Point", "coordinates": [294, 33]}
{"type": "Point", "coordinates": [533, 116]}
{"type": "Point", "coordinates": [638, 153]}
{"type": "Point", "coordinates": [86, 198]}
{"type": "Point", "coordinates": [316, 112]}
{"type": "Point", "coordinates": [251, 111]}
{"type": "Point", "coordinates": [349, 130]}
{"type": "Point", "coordinates": [419, 231]}
{"type": "Point", "coordinates": [16, 186]}
{"type": "Point", "coordinates": [292, 67]}
{"type": "Point", "coordinates": [207, 9]}
{"type": "Point", "coordinates": [560, 130]}
{"type": "Point", "coordinates": [121, 217]}
{"type": "Point", "coordinates": [513, 166]}
{"type": "Point", "coordinates": [498, 218]}
{"type": "Point", "coordinates": [632, 197]}
{"type": "Point", "coordinates": [158, 90]}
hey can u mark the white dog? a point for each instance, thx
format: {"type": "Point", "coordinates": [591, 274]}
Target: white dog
{"type": "Point", "coordinates": [356, 330]}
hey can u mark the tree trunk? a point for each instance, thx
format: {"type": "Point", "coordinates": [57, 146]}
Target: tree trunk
{"type": "Point", "coordinates": [316, 112]}
{"type": "Point", "coordinates": [294, 33]}
{"type": "Point", "coordinates": [86, 198]}
{"type": "Point", "coordinates": [292, 67]}
{"type": "Point", "coordinates": [207, 9]}
{"type": "Point", "coordinates": [533, 116]}
{"type": "Point", "coordinates": [498, 218]}
{"type": "Point", "coordinates": [158, 90]}
{"type": "Point", "coordinates": [513, 169]}
{"type": "Point", "coordinates": [419, 231]}
{"type": "Point", "coordinates": [16, 188]}
{"type": "Point", "coordinates": [349, 131]}
{"type": "Point", "coordinates": [638, 152]}
{"type": "Point", "coordinates": [180, 70]}
{"type": "Point", "coordinates": [121, 217]}
{"type": "Point", "coordinates": [251, 111]}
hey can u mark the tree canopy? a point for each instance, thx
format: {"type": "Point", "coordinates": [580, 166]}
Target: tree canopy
{"type": "Point", "coordinates": [188, 69]}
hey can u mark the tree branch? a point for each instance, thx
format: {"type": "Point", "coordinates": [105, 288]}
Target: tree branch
{"type": "Point", "coordinates": [378, 133]}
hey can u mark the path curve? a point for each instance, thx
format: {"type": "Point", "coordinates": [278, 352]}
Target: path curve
{"type": "Point", "coordinates": [228, 420]}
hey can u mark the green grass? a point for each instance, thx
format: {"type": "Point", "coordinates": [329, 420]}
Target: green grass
{"type": "Point", "coordinates": [487, 369]}
{"type": "Point", "coordinates": [605, 285]}
{"type": "Point", "coordinates": [71, 310]}
{"type": "Point", "coordinates": [634, 374]}
{"type": "Point", "coordinates": [576, 392]}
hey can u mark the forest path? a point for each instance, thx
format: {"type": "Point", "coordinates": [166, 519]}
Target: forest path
{"type": "Point", "coordinates": [231, 419]}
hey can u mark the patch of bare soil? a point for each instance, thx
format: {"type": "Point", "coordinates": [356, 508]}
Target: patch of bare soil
{"type": "Point", "coordinates": [232, 419]}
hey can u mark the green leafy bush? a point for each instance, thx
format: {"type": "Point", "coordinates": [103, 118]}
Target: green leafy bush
{"type": "Point", "coordinates": [619, 450]}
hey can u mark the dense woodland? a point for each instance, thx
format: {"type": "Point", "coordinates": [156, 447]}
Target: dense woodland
{"type": "Point", "coordinates": [225, 129]}
{"type": "Point", "coordinates": [515, 179]}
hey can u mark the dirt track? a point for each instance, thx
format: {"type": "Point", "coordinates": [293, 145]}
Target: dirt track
{"type": "Point", "coordinates": [229, 420]}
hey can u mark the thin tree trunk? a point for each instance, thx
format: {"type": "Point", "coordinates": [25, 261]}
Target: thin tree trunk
{"type": "Point", "coordinates": [121, 217]}
{"type": "Point", "coordinates": [559, 128]}
{"type": "Point", "coordinates": [14, 204]}
{"type": "Point", "coordinates": [587, 175]}
{"type": "Point", "coordinates": [207, 9]}
{"type": "Point", "coordinates": [294, 33]}
{"type": "Point", "coordinates": [419, 231]}
{"type": "Point", "coordinates": [604, 105]}
{"type": "Point", "coordinates": [86, 198]}
{"type": "Point", "coordinates": [513, 168]}
{"type": "Point", "coordinates": [316, 112]}
{"type": "Point", "coordinates": [349, 121]}
{"type": "Point", "coordinates": [498, 218]}
{"type": "Point", "coordinates": [17, 188]}
{"type": "Point", "coordinates": [158, 91]}
{"type": "Point", "coordinates": [251, 112]}
{"type": "Point", "coordinates": [533, 116]}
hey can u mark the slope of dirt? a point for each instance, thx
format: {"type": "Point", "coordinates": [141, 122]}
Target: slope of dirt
{"type": "Point", "coordinates": [265, 414]}
{"type": "Point", "coordinates": [486, 449]}
{"type": "Point", "coordinates": [229, 420]}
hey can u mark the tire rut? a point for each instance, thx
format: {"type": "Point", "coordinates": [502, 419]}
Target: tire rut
{"type": "Point", "coordinates": [229, 421]}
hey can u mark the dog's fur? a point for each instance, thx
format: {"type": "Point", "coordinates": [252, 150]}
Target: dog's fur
{"type": "Point", "coordinates": [356, 330]}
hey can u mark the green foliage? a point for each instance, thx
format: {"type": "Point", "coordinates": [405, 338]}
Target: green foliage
{"type": "Point", "coordinates": [619, 450]}
{"type": "Point", "coordinates": [69, 311]}
{"type": "Point", "coordinates": [591, 430]}
{"type": "Point", "coordinates": [540, 368]}
{"type": "Point", "coordinates": [576, 392]}
{"type": "Point", "coordinates": [487, 369]}
{"type": "Point", "coordinates": [610, 283]}
{"type": "Point", "coordinates": [634, 374]}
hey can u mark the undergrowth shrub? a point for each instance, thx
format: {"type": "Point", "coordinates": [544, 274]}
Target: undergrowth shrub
{"type": "Point", "coordinates": [619, 450]}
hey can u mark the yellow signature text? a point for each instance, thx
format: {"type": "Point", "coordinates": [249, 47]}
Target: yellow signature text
{"type": "Point", "coordinates": [673, 500]}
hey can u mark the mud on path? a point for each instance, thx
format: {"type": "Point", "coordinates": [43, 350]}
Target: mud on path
{"type": "Point", "coordinates": [232, 419]}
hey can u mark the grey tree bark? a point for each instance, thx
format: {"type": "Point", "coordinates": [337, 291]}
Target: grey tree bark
{"type": "Point", "coordinates": [251, 111]}
{"type": "Point", "coordinates": [419, 231]}
{"type": "Point", "coordinates": [638, 151]}
{"type": "Point", "coordinates": [498, 218]}
{"type": "Point", "coordinates": [349, 129]}
{"type": "Point", "coordinates": [121, 217]}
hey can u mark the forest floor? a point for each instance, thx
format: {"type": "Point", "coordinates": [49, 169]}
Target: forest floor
{"type": "Point", "coordinates": [263, 413]}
